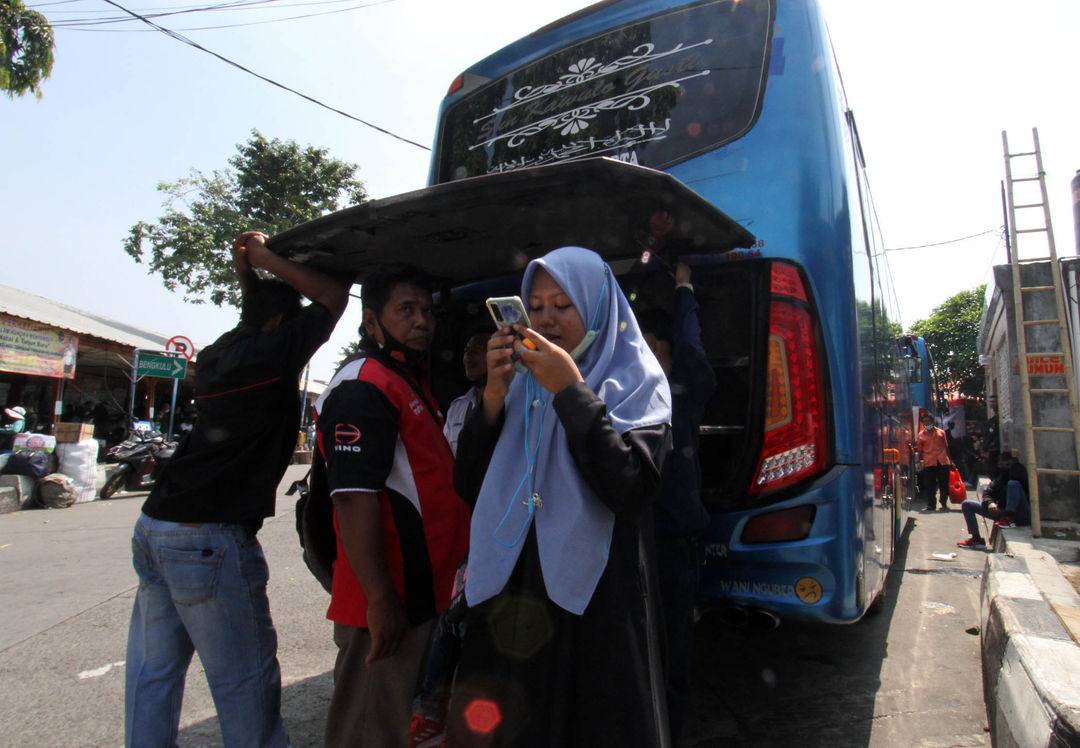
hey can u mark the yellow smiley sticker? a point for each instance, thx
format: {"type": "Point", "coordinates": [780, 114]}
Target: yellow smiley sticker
{"type": "Point", "coordinates": [808, 590]}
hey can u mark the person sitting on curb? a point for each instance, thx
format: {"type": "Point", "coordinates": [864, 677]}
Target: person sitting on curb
{"type": "Point", "coordinates": [1010, 485]}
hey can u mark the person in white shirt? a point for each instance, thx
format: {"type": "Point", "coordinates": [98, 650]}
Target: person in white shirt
{"type": "Point", "coordinates": [475, 360]}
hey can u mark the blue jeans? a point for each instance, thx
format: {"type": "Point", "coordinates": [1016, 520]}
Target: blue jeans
{"type": "Point", "coordinates": [1016, 505]}
{"type": "Point", "coordinates": [201, 589]}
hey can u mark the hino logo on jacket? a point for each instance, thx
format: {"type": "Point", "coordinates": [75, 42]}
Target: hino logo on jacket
{"type": "Point", "coordinates": [346, 437]}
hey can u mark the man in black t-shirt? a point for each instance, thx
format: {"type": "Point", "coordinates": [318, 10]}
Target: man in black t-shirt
{"type": "Point", "coordinates": [202, 574]}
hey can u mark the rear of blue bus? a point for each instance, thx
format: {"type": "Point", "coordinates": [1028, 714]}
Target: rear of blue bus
{"type": "Point", "coordinates": [740, 100]}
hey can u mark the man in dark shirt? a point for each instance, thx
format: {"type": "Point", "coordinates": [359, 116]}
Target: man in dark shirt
{"type": "Point", "coordinates": [202, 574]}
{"type": "Point", "coordinates": [1004, 500]}
{"type": "Point", "coordinates": [679, 516]}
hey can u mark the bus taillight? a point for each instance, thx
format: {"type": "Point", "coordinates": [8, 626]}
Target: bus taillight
{"type": "Point", "coordinates": [456, 84]}
{"type": "Point", "coordinates": [794, 446]}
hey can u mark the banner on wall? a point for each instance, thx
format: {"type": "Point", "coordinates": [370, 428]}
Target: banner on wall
{"type": "Point", "coordinates": [958, 418]}
{"type": "Point", "coordinates": [31, 348]}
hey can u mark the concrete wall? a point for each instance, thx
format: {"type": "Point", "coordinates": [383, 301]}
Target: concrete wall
{"type": "Point", "coordinates": [1059, 496]}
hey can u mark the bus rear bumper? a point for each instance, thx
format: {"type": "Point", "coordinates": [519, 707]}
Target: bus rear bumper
{"type": "Point", "coordinates": [814, 579]}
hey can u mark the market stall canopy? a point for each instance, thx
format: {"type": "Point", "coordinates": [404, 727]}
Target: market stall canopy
{"type": "Point", "coordinates": [19, 303]}
{"type": "Point", "coordinates": [104, 343]}
{"type": "Point", "coordinates": [491, 226]}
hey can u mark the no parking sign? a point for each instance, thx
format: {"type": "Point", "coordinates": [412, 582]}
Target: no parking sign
{"type": "Point", "coordinates": [182, 345]}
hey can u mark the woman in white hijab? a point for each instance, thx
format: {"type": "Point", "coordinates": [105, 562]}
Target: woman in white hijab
{"type": "Point", "coordinates": [563, 463]}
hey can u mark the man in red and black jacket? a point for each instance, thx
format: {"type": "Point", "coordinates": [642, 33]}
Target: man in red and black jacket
{"type": "Point", "coordinates": [401, 529]}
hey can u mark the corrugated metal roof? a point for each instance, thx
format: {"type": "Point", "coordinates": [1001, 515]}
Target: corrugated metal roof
{"type": "Point", "coordinates": [48, 312]}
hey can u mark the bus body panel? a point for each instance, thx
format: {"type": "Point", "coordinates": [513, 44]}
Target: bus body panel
{"type": "Point", "coordinates": [794, 180]}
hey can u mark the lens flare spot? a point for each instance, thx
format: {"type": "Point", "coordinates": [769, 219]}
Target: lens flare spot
{"type": "Point", "coordinates": [693, 129]}
{"type": "Point", "coordinates": [482, 716]}
{"type": "Point", "coordinates": [520, 627]}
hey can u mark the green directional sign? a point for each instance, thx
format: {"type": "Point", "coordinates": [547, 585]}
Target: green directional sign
{"type": "Point", "coordinates": [160, 365]}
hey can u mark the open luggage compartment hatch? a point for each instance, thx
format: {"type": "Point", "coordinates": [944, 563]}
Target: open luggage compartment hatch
{"type": "Point", "coordinates": [491, 226]}
{"type": "Point", "coordinates": [476, 236]}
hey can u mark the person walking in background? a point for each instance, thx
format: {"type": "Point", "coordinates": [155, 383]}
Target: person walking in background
{"type": "Point", "coordinates": [680, 517]}
{"type": "Point", "coordinates": [933, 446]}
{"type": "Point", "coordinates": [401, 529]}
{"type": "Point", "coordinates": [563, 464]}
{"type": "Point", "coordinates": [202, 573]}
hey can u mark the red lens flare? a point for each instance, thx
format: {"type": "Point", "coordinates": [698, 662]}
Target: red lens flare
{"type": "Point", "coordinates": [483, 716]}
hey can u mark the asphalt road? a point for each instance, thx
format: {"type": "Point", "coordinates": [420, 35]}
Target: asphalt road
{"type": "Point", "coordinates": [65, 601]}
{"type": "Point", "coordinates": [906, 677]}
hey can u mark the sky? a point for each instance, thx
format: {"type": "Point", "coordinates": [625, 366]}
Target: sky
{"type": "Point", "coordinates": [932, 86]}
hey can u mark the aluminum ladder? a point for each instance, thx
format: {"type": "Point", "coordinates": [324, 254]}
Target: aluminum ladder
{"type": "Point", "coordinates": [1041, 352]}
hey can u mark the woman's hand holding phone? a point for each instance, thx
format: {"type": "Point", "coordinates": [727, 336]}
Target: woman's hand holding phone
{"type": "Point", "coordinates": [500, 371]}
{"type": "Point", "coordinates": [551, 366]}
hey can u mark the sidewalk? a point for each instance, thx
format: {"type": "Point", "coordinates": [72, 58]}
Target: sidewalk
{"type": "Point", "coordinates": [1030, 634]}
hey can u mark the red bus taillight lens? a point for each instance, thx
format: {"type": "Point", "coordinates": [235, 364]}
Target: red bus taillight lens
{"type": "Point", "coordinates": [794, 446]}
{"type": "Point", "coordinates": [780, 527]}
{"type": "Point", "coordinates": [456, 84]}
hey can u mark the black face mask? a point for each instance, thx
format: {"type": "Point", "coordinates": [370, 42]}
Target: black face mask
{"type": "Point", "coordinates": [408, 357]}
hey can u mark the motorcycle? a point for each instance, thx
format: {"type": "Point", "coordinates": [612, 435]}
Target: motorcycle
{"type": "Point", "coordinates": [142, 456]}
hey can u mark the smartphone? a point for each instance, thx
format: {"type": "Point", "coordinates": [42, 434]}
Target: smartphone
{"type": "Point", "coordinates": [508, 311]}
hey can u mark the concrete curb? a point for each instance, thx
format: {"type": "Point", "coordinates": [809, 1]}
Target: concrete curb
{"type": "Point", "coordinates": [1030, 658]}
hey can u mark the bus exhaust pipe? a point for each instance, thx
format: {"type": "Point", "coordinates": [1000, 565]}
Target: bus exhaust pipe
{"type": "Point", "coordinates": [760, 619]}
{"type": "Point", "coordinates": [739, 617]}
{"type": "Point", "coordinates": [734, 616]}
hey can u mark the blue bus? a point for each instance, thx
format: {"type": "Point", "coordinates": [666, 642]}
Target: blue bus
{"type": "Point", "coordinates": [924, 394]}
{"type": "Point", "coordinates": [715, 133]}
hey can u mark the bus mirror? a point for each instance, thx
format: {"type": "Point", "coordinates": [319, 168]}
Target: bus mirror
{"type": "Point", "coordinates": [914, 368]}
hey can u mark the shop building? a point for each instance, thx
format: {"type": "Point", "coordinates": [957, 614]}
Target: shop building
{"type": "Point", "coordinates": [65, 364]}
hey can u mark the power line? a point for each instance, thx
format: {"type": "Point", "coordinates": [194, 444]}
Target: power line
{"type": "Point", "coordinates": [170, 9]}
{"type": "Point", "coordinates": [947, 241]}
{"type": "Point", "coordinates": [82, 26]}
{"type": "Point", "coordinates": [238, 66]}
{"type": "Point", "coordinates": [80, 23]}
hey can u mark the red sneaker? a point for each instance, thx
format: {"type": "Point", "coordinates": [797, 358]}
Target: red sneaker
{"type": "Point", "coordinates": [425, 732]}
{"type": "Point", "coordinates": [1005, 524]}
{"type": "Point", "coordinates": [974, 543]}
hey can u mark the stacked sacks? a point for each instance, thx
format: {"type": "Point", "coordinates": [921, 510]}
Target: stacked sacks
{"type": "Point", "coordinates": [78, 461]}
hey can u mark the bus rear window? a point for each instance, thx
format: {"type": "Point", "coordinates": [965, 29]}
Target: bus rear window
{"type": "Point", "coordinates": [654, 92]}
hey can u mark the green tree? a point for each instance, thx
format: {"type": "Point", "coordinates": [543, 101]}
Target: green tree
{"type": "Point", "coordinates": [26, 49]}
{"type": "Point", "coordinates": [952, 336]}
{"type": "Point", "coordinates": [271, 186]}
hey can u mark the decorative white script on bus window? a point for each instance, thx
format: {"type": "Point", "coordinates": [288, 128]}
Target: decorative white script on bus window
{"type": "Point", "coordinates": [588, 69]}
{"type": "Point", "coordinates": [577, 119]}
{"type": "Point", "coordinates": [619, 142]}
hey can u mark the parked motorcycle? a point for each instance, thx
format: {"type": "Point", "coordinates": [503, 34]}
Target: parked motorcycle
{"type": "Point", "coordinates": [142, 456]}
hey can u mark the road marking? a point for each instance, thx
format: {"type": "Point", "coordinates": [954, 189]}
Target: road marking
{"type": "Point", "coordinates": [98, 672]}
